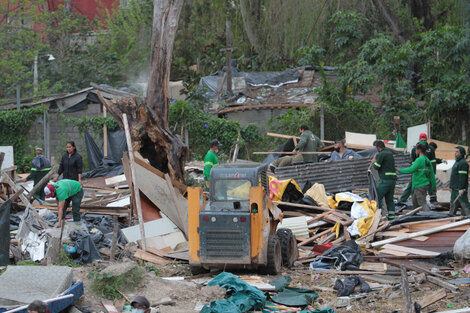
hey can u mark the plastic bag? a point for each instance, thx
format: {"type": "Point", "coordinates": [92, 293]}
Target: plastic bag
{"type": "Point", "coordinates": [462, 247]}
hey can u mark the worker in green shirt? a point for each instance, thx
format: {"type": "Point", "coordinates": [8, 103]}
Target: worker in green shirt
{"type": "Point", "coordinates": [459, 182]}
{"type": "Point", "coordinates": [40, 167]}
{"type": "Point", "coordinates": [308, 142]}
{"type": "Point", "coordinates": [384, 163]}
{"type": "Point", "coordinates": [210, 160]}
{"type": "Point", "coordinates": [431, 155]}
{"type": "Point", "coordinates": [66, 191]}
{"type": "Point", "coordinates": [422, 178]}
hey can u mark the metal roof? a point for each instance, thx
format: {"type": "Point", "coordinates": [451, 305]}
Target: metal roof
{"type": "Point", "coordinates": [338, 176]}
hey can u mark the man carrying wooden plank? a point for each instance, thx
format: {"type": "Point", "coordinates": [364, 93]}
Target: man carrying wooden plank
{"type": "Point", "coordinates": [40, 167]}
{"type": "Point", "coordinates": [308, 142]}
{"type": "Point", "coordinates": [384, 163]}
{"type": "Point", "coordinates": [422, 179]}
{"type": "Point", "coordinates": [459, 183]}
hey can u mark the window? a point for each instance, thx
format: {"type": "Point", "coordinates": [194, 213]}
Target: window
{"type": "Point", "coordinates": [232, 190]}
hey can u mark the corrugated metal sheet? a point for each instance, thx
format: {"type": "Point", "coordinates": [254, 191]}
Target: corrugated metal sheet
{"type": "Point", "coordinates": [338, 176]}
{"type": "Point", "coordinates": [298, 225]}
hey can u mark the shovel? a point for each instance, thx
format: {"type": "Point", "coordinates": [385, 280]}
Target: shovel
{"type": "Point", "coordinates": [452, 205]}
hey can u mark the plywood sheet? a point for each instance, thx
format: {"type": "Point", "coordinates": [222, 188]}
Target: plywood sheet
{"type": "Point", "coordinates": [156, 189]}
{"type": "Point", "coordinates": [412, 135]}
{"type": "Point", "coordinates": [360, 139]}
{"type": "Point", "coordinates": [446, 150]}
{"type": "Point", "coordinates": [152, 229]}
{"type": "Point", "coordinates": [9, 160]}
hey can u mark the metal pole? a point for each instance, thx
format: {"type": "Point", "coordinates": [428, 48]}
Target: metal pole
{"type": "Point", "coordinates": [44, 127]}
{"type": "Point", "coordinates": [229, 57]}
{"type": "Point", "coordinates": [35, 74]}
{"type": "Point", "coordinates": [322, 121]}
{"type": "Point", "coordinates": [18, 97]}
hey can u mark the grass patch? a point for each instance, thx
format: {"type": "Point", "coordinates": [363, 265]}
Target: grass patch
{"type": "Point", "coordinates": [65, 260]}
{"type": "Point", "coordinates": [27, 262]}
{"type": "Point", "coordinates": [108, 286]}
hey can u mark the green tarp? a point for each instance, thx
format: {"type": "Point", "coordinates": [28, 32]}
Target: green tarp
{"type": "Point", "coordinates": [244, 297]}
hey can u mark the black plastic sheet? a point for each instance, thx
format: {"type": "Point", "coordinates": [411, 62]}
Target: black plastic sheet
{"type": "Point", "coordinates": [111, 165]}
{"type": "Point", "coordinates": [347, 256]}
{"type": "Point", "coordinates": [420, 216]}
{"type": "Point", "coordinates": [86, 248]}
{"type": "Point", "coordinates": [5, 233]}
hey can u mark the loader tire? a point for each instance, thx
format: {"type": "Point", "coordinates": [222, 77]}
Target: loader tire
{"type": "Point", "coordinates": [289, 250]}
{"type": "Point", "coordinates": [273, 266]}
{"type": "Point", "coordinates": [197, 270]}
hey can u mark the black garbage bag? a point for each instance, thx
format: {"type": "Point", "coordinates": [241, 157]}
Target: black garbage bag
{"type": "Point", "coordinates": [308, 184]}
{"type": "Point", "coordinates": [346, 287]}
{"type": "Point", "coordinates": [348, 256]}
{"type": "Point", "coordinates": [86, 248]}
{"type": "Point", "coordinates": [345, 205]}
{"type": "Point", "coordinates": [309, 201]}
{"type": "Point", "coordinates": [292, 194]}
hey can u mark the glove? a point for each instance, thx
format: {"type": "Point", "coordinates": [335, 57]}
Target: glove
{"type": "Point", "coordinates": [461, 192]}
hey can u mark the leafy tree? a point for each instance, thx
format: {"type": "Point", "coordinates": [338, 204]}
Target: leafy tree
{"type": "Point", "coordinates": [19, 43]}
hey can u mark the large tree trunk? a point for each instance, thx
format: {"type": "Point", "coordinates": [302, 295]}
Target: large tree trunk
{"type": "Point", "coordinates": [391, 19]}
{"type": "Point", "coordinates": [148, 120]}
{"type": "Point", "coordinates": [421, 10]}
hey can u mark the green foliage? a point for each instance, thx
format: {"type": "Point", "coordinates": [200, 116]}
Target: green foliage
{"type": "Point", "coordinates": [313, 56]}
{"type": "Point", "coordinates": [203, 127]}
{"type": "Point", "coordinates": [153, 268]}
{"type": "Point", "coordinates": [65, 260]}
{"type": "Point", "coordinates": [94, 123]}
{"type": "Point", "coordinates": [26, 263]}
{"type": "Point", "coordinates": [14, 132]}
{"type": "Point", "coordinates": [108, 286]}
{"type": "Point", "coordinates": [19, 43]}
{"type": "Point", "coordinates": [347, 32]}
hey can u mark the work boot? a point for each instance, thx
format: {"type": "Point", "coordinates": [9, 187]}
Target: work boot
{"type": "Point", "coordinates": [465, 210]}
{"type": "Point", "coordinates": [391, 216]}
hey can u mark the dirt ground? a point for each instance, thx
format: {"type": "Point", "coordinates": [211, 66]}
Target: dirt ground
{"type": "Point", "coordinates": [189, 295]}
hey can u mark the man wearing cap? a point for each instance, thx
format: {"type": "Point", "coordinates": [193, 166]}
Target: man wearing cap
{"type": "Point", "coordinates": [459, 182]}
{"type": "Point", "coordinates": [140, 305]}
{"type": "Point", "coordinates": [422, 179]}
{"type": "Point", "coordinates": [431, 155]}
{"type": "Point", "coordinates": [39, 168]}
{"type": "Point", "coordinates": [340, 152]}
{"type": "Point", "coordinates": [308, 142]}
{"type": "Point", "coordinates": [210, 160]}
{"type": "Point", "coordinates": [384, 163]}
{"type": "Point", "coordinates": [66, 191]}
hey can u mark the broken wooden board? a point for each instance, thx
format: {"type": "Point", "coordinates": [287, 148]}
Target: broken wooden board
{"type": "Point", "coordinates": [182, 255]}
{"type": "Point", "coordinates": [442, 283]}
{"type": "Point", "coordinates": [433, 297]}
{"type": "Point", "coordinates": [394, 252]}
{"type": "Point", "coordinates": [115, 180]}
{"type": "Point", "coordinates": [150, 257]}
{"type": "Point", "coordinates": [410, 250]}
{"type": "Point", "coordinates": [109, 306]}
{"type": "Point", "coordinates": [400, 234]}
{"type": "Point", "coordinates": [170, 240]}
{"type": "Point", "coordinates": [375, 267]}
{"type": "Point", "coordinates": [156, 189]}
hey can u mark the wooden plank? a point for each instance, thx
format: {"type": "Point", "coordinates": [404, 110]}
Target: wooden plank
{"type": "Point", "coordinates": [375, 224]}
{"type": "Point", "coordinates": [442, 283]}
{"type": "Point", "coordinates": [290, 153]}
{"type": "Point", "coordinates": [394, 252]}
{"type": "Point", "coordinates": [433, 297]}
{"type": "Point", "coordinates": [382, 279]}
{"type": "Point", "coordinates": [400, 234]}
{"type": "Point", "coordinates": [150, 257]}
{"type": "Point", "coordinates": [132, 166]}
{"type": "Point", "coordinates": [298, 205]}
{"type": "Point", "coordinates": [158, 252]}
{"type": "Point", "coordinates": [318, 217]}
{"type": "Point", "coordinates": [115, 235]}
{"type": "Point", "coordinates": [313, 238]}
{"type": "Point", "coordinates": [181, 212]}
{"type": "Point", "coordinates": [406, 290]}
{"type": "Point", "coordinates": [111, 181]}
{"type": "Point", "coordinates": [347, 272]}
{"type": "Point", "coordinates": [445, 219]}
{"type": "Point", "coordinates": [410, 250]}
{"type": "Point", "coordinates": [421, 233]}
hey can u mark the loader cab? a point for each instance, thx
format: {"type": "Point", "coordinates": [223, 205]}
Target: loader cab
{"type": "Point", "coordinates": [230, 184]}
